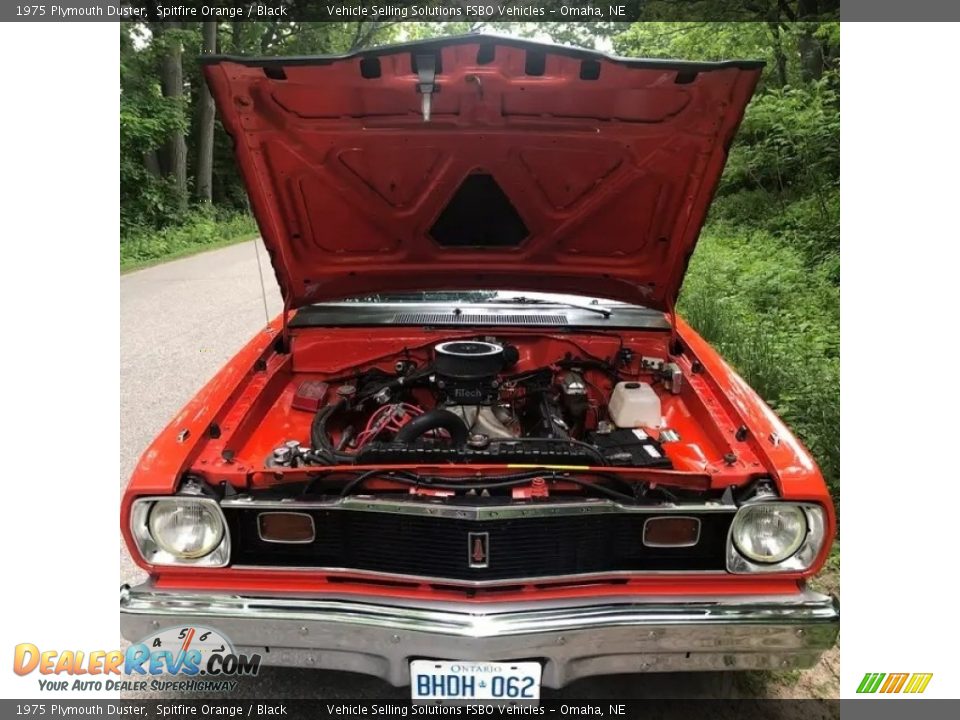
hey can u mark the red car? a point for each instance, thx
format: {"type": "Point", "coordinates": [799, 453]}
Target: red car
{"type": "Point", "coordinates": [479, 452]}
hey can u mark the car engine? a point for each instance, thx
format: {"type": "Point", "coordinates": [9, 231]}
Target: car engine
{"type": "Point", "coordinates": [468, 402]}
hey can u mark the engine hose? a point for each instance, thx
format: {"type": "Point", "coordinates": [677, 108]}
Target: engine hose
{"type": "Point", "coordinates": [397, 382]}
{"type": "Point", "coordinates": [320, 439]}
{"type": "Point", "coordinates": [436, 419]}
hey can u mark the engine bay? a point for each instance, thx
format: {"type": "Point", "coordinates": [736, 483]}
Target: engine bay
{"type": "Point", "coordinates": [470, 402]}
{"type": "Point", "coordinates": [514, 412]}
{"type": "Point", "coordinates": [412, 396]}
{"type": "Point", "coordinates": [458, 415]}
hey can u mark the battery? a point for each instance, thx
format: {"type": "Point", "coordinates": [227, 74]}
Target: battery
{"type": "Point", "coordinates": [630, 447]}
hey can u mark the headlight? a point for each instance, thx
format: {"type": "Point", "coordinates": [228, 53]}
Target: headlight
{"type": "Point", "coordinates": [775, 537]}
{"type": "Point", "coordinates": [186, 529]}
{"type": "Point", "coordinates": [180, 531]}
{"type": "Point", "coordinates": [769, 533]}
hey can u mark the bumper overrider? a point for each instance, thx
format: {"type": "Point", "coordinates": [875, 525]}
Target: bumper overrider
{"type": "Point", "coordinates": [572, 639]}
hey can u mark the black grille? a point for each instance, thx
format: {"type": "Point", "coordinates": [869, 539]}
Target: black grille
{"type": "Point", "coordinates": [438, 547]}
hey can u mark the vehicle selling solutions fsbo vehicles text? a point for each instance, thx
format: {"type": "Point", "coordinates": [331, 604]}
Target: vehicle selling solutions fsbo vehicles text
{"type": "Point", "coordinates": [478, 10]}
{"type": "Point", "coordinates": [466, 710]}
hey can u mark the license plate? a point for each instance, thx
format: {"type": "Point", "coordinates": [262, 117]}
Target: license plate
{"type": "Point", "coordinates": [468, 680]}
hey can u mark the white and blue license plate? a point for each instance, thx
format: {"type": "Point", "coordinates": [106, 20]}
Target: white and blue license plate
{"type": "Point", "coordinates": [469, 680]}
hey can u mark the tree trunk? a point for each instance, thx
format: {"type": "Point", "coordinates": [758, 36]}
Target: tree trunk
{"type": "Point", "coordinates": [205, 141]}
{"type": "Point", "coordinates": [811, 53]}
{"type": "Point", "coordinates": [239, 38]}
{"type": "Point", "coordinates": [152, 163]}
{"type": "Point", "coordinates": [171, 80]}
{"type": "Point", "coordinates": [778, 53]}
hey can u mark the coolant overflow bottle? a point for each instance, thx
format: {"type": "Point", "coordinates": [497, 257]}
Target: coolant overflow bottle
{"type": "Point", "coordinates": [635, 404]}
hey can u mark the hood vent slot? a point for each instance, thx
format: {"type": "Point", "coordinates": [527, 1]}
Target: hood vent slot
{"type": "Point", "coordinates": [554, 320]}
{"type": "Point", "coordinates": [479, 215]}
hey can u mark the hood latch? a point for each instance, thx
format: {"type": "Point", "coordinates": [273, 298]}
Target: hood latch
{"type": "Point", "coordinates": [426, 82]}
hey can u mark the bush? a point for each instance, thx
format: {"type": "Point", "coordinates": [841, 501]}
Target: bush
{"type": "Point", "coordinates": [789, 138]}
{"type": "Point", "coordinates": [198, 231]}
{"type": "Point", "coordinates": [783, 174]}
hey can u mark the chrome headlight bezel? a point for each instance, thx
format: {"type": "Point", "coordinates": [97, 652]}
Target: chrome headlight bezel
{"type": "Point", "coordinates": [152, 552]}
{"type": "Point", "coordinates": [800, 560]}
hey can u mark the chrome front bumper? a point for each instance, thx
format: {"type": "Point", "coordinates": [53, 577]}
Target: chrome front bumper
{"type": "Point", "coordinates": [571, 638]}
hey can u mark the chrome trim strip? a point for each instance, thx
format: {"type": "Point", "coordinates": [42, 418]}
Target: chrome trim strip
{"type": "Point", "coordinates": [671, 545]}
{"type": "Point", "coordinates": [487, 619]}
{"type": "Point", "coordinates": [439, 508]}
{"type": "Point", "coordinates": [313, 528]}
{"type": "Point", "coordinates": [361, 576]}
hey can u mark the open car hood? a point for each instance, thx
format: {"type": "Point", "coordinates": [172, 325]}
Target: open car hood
{"type": "Point", "coordinates": [480, 162]}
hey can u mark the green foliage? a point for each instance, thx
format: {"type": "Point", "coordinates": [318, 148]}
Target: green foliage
{"type": "Point", "coordinates": [147, 120]}
{"type": "Point", "coordinates": [578, 34]}
{"type": "Point", "coordinates": [694, 40]}
{"type": "Point", "coordinates": [789, 143]}
{"type": "Point", "coordinates": [200, 230]}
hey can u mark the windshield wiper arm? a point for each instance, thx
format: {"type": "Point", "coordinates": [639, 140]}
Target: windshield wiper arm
{"type": "Point", "coordinates": [524, 300]}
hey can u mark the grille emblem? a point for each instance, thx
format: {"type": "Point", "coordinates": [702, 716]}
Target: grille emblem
{"type": "Point", "coordinates": [478, 549]}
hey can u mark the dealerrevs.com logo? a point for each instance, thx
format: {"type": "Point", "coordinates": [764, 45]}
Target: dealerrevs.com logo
{"type": "Point", "coordinates": [911, 683]}
{"type": "Point", "coordinates": [198, 658]}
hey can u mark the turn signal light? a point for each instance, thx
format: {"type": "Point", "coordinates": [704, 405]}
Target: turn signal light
{"type": "Point", "coordinates": [671, 531]}
{"type": "Point", "coordinates": [286, 527]}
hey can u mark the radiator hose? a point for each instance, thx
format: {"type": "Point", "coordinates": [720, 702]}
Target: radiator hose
{"type": "Point", "coordinates": [436, 419]}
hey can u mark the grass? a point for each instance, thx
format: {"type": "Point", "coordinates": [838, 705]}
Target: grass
{"type": "Point", "coordinates": [198, 233]}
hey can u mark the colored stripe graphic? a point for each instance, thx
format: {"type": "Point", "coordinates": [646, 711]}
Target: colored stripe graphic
{"type": "Point", "coordinates": [870, 682]}
{"type": "Point", "coordinates": [894, 682]}
{"type": "Point", "coordinates": [918, 682]}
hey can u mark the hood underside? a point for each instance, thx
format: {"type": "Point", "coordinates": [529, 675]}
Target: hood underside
{"type": "Point", "coordinates": [480, 162]}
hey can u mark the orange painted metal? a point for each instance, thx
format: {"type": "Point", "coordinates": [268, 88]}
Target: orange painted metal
{"type": "Point", "coordinates": [611, 176]}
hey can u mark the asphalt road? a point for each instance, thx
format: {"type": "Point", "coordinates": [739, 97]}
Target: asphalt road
{"type": "Point", "coordinates": [179, 323]}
